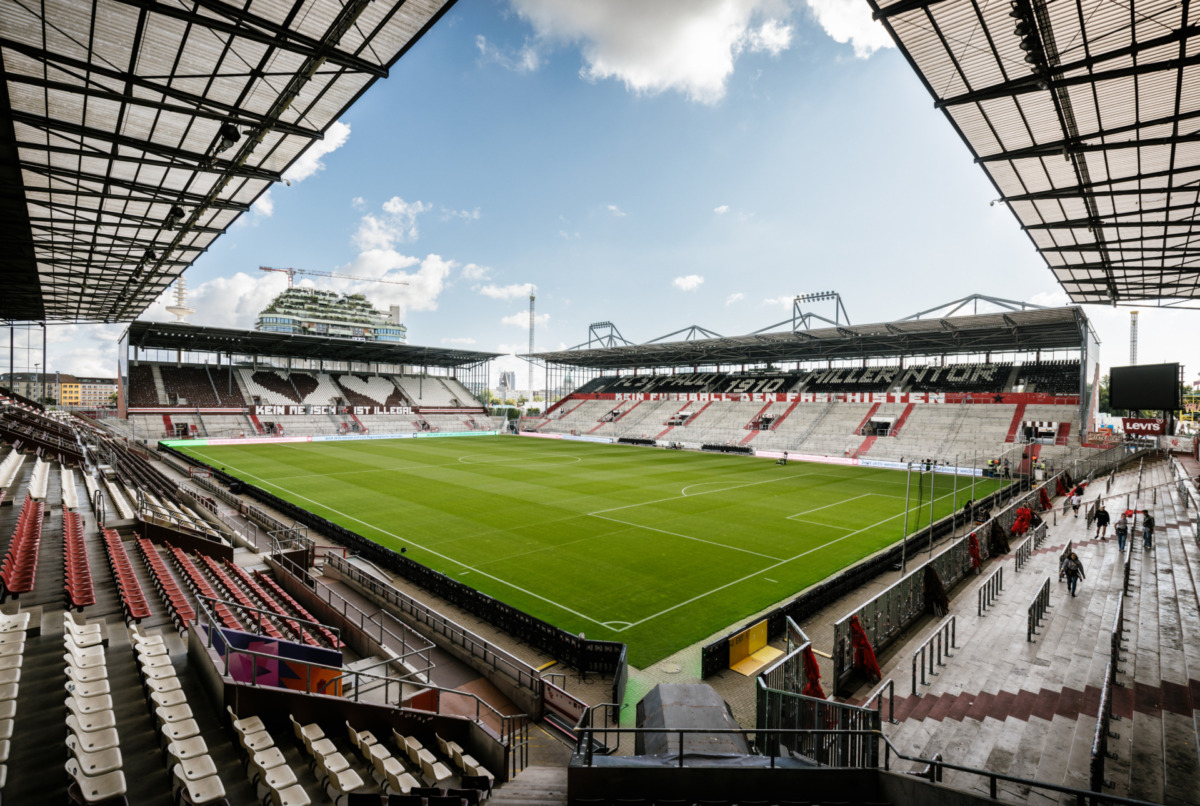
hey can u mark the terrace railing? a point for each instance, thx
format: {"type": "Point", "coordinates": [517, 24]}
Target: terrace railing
{"type": "Point", "coordinates": [1037, 610]}
{"type": "Point", "coordinates": [936, 646]}
{"type": "Point", "coordinates": [990, 590]}
{"type": "Point", "coordinates": [885, 615]}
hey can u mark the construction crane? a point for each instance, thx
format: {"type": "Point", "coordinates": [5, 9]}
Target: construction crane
{"type": "Point", "coordinates": [293, 272]}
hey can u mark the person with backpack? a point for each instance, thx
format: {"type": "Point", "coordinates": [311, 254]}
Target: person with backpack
{"type": "Point", "coordinates": [1073, 569]}
{"type": "Point", "coordinates": [1147, 530]}
{"type": "Point", "coordinates": [1102, 521]}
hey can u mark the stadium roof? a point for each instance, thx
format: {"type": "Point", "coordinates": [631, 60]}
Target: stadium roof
{"type": "Point", "coordinates": [1084, 115]}
{"type": "Point", "coordinates": [256, 343]}
{"type": "Point", "coordinates": [113, 114]}
{"type": "Point", "coordinates": [1044, 329]}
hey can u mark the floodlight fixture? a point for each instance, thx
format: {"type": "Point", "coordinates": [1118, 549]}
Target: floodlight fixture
{"type": "Point", "coordinates": [174, 217]}
{"type": "Point", "coordinates": [229, 135]}
{"type": "Point", "coordinates": [816, 296]}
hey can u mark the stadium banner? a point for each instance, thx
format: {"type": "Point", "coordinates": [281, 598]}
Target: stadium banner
{"type": "Point", "coordinates": [1143, 426]}
{"type": "Point", "coordinates": [293, 666]}
{"type": "Point", "coordinates": [807, 457]}
{"type": "Point", "coordinates": [536, 434]}
{"type": "Point", "coordinates": [1180, 444]}
{"type": "Point", "coordinates": [585, 438]}
{"type": "Point", "coordinates": [998, 398]}
{"type": "Point", "coordinates": [882, 463]}
{"type": "Point", "coordinates": [300, 410]}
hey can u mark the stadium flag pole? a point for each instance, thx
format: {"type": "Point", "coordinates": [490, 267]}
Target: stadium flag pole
{"type": "Point", "coordinates": [974, 464]}
{"type": "Point", "coordinates": [954, 510]}
{"type": "Point", "coordinates": [904, 539]}
{"type": "Point", "coordinates": [932, 498]}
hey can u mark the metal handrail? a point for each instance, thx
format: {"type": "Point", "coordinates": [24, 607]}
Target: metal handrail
{"type": "Point", "coordinates": [272, 616]}
{"type": "Point", "coordinates": [1037, 609]}
{"type": "Point", "coordinates": [1023, 553]}
{"type": "Point", "coordinates": [990, 590]}
{"type": "Point", "coordinates": [948, 627]}
{"type": "Point", "coordinates": [878, 697]}
{"type": "Point", "coordinates": [933, 766]}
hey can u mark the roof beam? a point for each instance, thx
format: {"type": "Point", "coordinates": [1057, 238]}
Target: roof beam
{"type": "Point", "coordinates": [69, 224]}
{"type": "Point", "coordinates": [263, 32]}
{"type": "Point", "coordinates": [1057, 148]}
{"type": "Point", "coordinates": [199, 102]}
{"type": "Point", "coordinates": [158, 192]}
{"type": "Point", "coordinates": [1030, 84]}
{"type": "Point", "coordinates": [91, 194]}
{"type": "Point", "coordinates": [235, 117]}
{"type": "Point", "coordinates": [199, 160]}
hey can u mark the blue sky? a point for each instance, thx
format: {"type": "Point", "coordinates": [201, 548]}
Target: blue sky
{"type": "Point", "coordinates": [657, 165]}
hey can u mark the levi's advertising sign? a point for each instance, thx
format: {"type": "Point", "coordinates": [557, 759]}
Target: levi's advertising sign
{"type": "Point", "coordinates": [1133, 425]}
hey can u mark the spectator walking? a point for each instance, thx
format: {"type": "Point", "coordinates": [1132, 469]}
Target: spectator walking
{"type": "Point", "coordinates": [1147, 530]}
{"type": "Point", "coordinates": [1122, 530]}
{"type": "Point", "coordinates": [1102, 520]}
{"type": "Point", "coordinates": [1073, 569]}
{"type": "Point", "coordinates": [1076, 500]}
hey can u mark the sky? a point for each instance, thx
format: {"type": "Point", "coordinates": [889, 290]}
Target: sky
{"type": "Point", "coordinates": [656, 165]}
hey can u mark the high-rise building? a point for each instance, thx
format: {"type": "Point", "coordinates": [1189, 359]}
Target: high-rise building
{"type": "Point", "coordinates": [312, 312]}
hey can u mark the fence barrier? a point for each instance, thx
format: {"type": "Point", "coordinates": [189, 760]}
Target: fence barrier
{"type": "Point", "coordinates": [990, 590]}
{"type": "Point", "coordinates": [1037, 610]}
{"type": "Point", "coordinates": [877, 697]}
{"type": "Point", "coordinates": [1023, 553]}
{"type": "Point", "coordinates": [943, 639]}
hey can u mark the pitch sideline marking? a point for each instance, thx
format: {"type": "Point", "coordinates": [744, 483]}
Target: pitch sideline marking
{"type": "Point", "coordinates": [768, 568]}
{"type": "Point", "coordinates": [418, 545]}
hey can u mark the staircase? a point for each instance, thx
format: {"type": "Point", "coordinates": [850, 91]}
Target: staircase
{"type": "Point", "coordinates": [815, 423]}
{"type": "Point", "coordinates": [1029, 709]}
{"type": "Point", "coordinates": [1015, 425]}
{"type": "Point", "coordinates": [160, 388]}
{"type": "Point", "coordinates": [955, 427]}
{"type": "Point", "coordinates": [533, 786]}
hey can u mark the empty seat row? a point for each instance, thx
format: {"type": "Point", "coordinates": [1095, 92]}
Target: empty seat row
{"type": "Point", "coordinates": [283, 595]}
{"type": "Point", "coordinates": [133, 600]}
{"type": "Point", "coordinates": [265, 763]}
{"type": "Point", "coordinates": [332, 768]}
{"type": "Point", "coordinates": [270, 603]}
{"type": "Point", "coordinates": [19, 569]}
{"type": "Point", "coordinates": [200, 587]}
{"type": "Point", "coordinates": [95, 763]}
{"type": "Point", "coordinates": [77, 571]}
{"type": "Point", "coordinates": [194, 777]}
{"type": "Point", "coordinates": [470, 767]}
{"type": "Point", "coordinates": [249, 614]}
{"type": "Point", "coordinates": [12, 654]}
{"type": "Point", "coordinates": [176, 600]}
{"type": "Point", "coordinates": [388, 771]}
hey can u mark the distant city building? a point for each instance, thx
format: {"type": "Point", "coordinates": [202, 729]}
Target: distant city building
{"type": "Point", "coordinates": [62, 388]}
{"type": "Point", "coordinates": [508, 380]}
{"type": "Point", "coordinates": [312, 312]}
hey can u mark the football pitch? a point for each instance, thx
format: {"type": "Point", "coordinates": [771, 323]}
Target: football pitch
{"type": "Point", "coordinates": [658, 549]}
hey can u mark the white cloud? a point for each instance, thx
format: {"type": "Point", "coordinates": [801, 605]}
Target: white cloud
{"type": "Point", "coordinates": [722, 210]}
{"type": "Point", "coordinates": [849, 21]}
{"type": "Point", "coordinates": [425, 277]}
{"type": "Point", "coordinates": [399, 224]}
{"type": "Point", "coordinates": [525, 60]}
{"type": "Point", "coordinates": [688, 46]}
{"type": "Point", "coordinates": [521, 319]}
{"type": "Point", "coordinates": [771, 37]}
{"type": "Point", "coordinates": [310, 161]}
{"type": "Point", "coordinates": [473, 272]}
{"type": "Point", "coordinates": [689, 283]}
{"type": "Point", "coordinates": [779, 302]}
{"type": "Point", "coordinates": [617, 211]}
{"type": "Point", "coordinates": [465, 215]}
{"type": "Point", "coordinates": [463, 340]}
{"type": "Point", "coordinates": [232, 302]}
{"type": "Point", "coordinates": [507, 291]}
{"type": "Point", "coordinates": [736, 297]}
{"type": "Point", "coordinates": [358, 203]}
{"type": "Point", "coordinates": [264, 206]}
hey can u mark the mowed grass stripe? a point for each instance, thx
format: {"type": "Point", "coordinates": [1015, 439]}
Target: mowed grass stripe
{"type": "Point", "coordinates": [510, 517]}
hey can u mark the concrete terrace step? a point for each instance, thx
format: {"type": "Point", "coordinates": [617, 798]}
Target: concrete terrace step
{"type": "Point", "coordinates": [1029, 709]}
{"type": "Point", "coordinates": [533, 786]}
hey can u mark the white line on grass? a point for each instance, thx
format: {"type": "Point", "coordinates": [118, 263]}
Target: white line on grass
{"type": "Point", "coordinates": [827, 506]}
{"type": "Point", "coordinates": [414, 543]}
{"type": "Point", "coordinates": [768, 568]}
{"type": "Point", "coordinates": [711, 492]}
{"type": "Point", "coordinates": [685, 537]}
{"type": "Point", "coordinates": [818, 523]}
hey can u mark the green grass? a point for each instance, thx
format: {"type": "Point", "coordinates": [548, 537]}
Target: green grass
{"type": "Point", "coordinates": [658, 549]}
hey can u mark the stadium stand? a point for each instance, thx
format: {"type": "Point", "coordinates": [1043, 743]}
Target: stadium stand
{"type": "Point", "coordinates": [1050, 377]}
